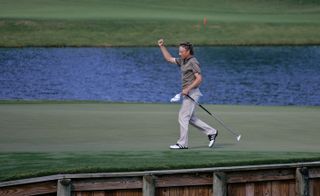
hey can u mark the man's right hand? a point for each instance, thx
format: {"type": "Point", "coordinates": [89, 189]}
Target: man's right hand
{"type": "Point", "coordinates": [160, 42]}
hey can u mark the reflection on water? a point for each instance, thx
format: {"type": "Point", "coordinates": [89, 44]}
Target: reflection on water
{"type": "Point", "coordinates": [232, 75]}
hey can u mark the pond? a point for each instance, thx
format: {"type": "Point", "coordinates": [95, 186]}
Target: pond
{"type": "Point", "coordinates": [232, 75]}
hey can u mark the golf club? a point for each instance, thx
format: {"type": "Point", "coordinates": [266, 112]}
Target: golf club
{"type": "Point", "coordinates": [238, 136]}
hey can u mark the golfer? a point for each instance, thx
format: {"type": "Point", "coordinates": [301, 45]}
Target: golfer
{"type": "Point", "coordinates": [191, 80]}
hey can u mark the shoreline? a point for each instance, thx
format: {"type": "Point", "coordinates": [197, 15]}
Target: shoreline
{"type": "Point", "coordinates": [22, 33]}
{"type": "Point", "coordinates": [35, 102]}
{"type": "Point", "coordinates": [169, 45]}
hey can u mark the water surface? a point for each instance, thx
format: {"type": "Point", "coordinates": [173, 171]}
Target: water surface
{"type": "Point", "coordinates": [232, 75]}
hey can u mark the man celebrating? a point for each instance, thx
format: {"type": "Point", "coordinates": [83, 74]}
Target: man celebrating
{"type": "Point", "coordinates": [191, 80]}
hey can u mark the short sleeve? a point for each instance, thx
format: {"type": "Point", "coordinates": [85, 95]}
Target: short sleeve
{"type": "Point", "coordinates": [196, 67]}
{"type": "Point", "coordinates": [178, 61]}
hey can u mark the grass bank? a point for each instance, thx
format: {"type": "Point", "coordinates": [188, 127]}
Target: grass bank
{"type": "Point", "coordinates": [49, 138]}
{"type": "Point", "coordinates": [25, 165]}
{"type": "Point", "coordinates": [142, 22]}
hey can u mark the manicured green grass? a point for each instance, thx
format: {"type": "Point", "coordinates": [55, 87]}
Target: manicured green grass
{"type": "Point", "coordinates": [42, 138]}
{"type": "Point", "coordinates": [26, 165]}
{"type": "Point", "coordinates": [143, 22]}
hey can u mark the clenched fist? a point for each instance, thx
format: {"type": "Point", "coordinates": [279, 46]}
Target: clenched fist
{"type": "Point", "coordinates": [160, 42]}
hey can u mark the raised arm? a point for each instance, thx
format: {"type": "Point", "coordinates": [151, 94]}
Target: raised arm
{"type": "Point", "coordinates": [165, 52]}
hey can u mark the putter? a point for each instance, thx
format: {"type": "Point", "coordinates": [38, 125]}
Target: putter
{"type": "Point", "coordinates": [238, 136]}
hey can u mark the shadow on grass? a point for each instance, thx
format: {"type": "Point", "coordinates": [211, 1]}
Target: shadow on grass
{"type": "Point", "coordinates": [216, 146]}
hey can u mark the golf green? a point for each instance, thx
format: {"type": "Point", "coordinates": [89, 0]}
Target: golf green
{"type": "Point", "coordinates": [136, 127]}
{"type": "Point", "coordinates": [40, 138]}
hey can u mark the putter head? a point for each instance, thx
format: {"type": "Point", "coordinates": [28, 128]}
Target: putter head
{"type": "Point", "coordinates": [238, 138]}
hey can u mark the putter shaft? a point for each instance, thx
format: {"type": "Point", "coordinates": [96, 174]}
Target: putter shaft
{"type": "Point", "coordinates": [218, 119]}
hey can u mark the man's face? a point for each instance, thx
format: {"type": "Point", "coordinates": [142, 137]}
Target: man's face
{"type": "Point", "coordinates": [183, 53]}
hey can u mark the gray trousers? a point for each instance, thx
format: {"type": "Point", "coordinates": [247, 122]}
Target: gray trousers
{"type": "Point", "coordinates": [187, 115]}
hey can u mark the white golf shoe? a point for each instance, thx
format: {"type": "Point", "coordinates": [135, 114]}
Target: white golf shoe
{"type": "Point", "coordinates": [178, 146]}
{"type": "Point", "coordinates": [212, 139]}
